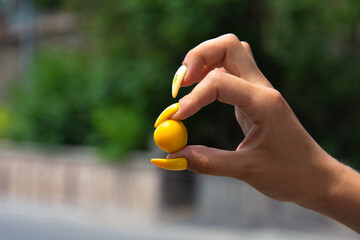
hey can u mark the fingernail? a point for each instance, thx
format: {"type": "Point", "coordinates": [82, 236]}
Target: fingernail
{"type": "Point", "coordinates": [167, 113]}
{"type": "Point", "coordinates": [179, 76]}
{"type": "Point", "coordinates": [174, 164]}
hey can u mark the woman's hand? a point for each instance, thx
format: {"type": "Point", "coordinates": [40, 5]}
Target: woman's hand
{"type": "Point", "coordinates": [277, 156]}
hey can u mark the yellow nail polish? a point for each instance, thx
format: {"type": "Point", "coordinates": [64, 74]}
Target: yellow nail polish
{"type": "Point", "coordinates": [171, 135]}
{"type": "Point", "coordinates": [168, 112]}
{"type": "Point", "coordinates": [174, 164]}
{"type": "Point", "coordinates": [179, 76]}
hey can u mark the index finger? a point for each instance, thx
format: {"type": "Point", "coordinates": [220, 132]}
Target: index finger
{"type": "Point", "coordinates": [225, 51]}
{"type": "Point", "coordinates": [222, 86]}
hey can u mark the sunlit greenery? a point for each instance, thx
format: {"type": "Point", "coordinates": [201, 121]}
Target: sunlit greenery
{"type": "Point", "coordinates": [110, 94]}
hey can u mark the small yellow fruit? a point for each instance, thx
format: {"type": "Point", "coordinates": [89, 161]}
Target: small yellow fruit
{"type": "Point", "coordinates": [171, 136]}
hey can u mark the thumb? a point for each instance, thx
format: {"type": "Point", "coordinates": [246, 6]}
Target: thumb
{"type": "Point", "coordinates": [212, 161]}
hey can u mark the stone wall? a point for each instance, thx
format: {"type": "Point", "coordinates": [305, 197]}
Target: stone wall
{"type": "Point", "coordinates": [77, 177]}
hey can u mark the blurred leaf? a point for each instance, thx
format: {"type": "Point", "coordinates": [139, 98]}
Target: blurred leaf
{"type": "Point", "coordinates": [4, 119]}
{"type": "Point", "coordinates": [119, 130]}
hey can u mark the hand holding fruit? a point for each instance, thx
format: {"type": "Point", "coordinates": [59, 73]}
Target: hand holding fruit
{"type": "Point", "coordinates": [278, 157]}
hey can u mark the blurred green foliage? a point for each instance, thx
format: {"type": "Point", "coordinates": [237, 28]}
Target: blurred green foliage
{"type": "Point", "coordinates": [317, 47]}
{"type": "Point", "coordinates": [111, 94]}
{"type": "Point", "coordinates": [55, 107]}
{"type": "Point", "coordinates": [48, 4]}
{"type": "Point", "coordinates": [63, 105]}
{"type": "Point", "coordinates": [4, 119]}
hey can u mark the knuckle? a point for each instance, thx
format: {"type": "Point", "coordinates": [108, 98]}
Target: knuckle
{"type": "Point", "coordinates": [213, 78]}
{"type": "Point", "coordinates": [231, 38]}
{"type": "Point", "coordinates": [246, 45]}
{"type": "Point", "coordinates": [276, 97]}
{"type": "Point", "coordinates": [199, 160]}
{"type": "Point", "coordinates": [274, 100]}
{"type": "Point", "coordinates": [214, 74]}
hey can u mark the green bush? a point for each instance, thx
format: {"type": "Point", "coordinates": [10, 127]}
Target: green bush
{"type": "Point", "coordinates": [4, 119]}
{"type": "Point", "coordinates": [119, 130]}
{"type": "Point", "coordinates": [61, 106]}
{"type": "Point", "coordinates": [110, 94]}
{"type": "Point", "coordinates": [55, 106]}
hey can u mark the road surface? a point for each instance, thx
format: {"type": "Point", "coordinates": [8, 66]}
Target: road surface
{"type": "Point", "coordinates": [35, 222]}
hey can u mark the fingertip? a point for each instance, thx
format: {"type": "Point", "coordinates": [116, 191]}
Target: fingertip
{"type": "Point", "coordinates": [179, 115]}
{"type": "Point", "coordinates": [188, 78]}
{"type": "Point", "coordinates": [197, 158]}
{"type": "Point", "coordinates": [211, 161]}
{"type": "Point", "coordinates": [180, 153]}
{"type": "Point", "coordinates": [194, 68]}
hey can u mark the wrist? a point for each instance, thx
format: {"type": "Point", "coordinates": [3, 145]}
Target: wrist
{"type": "Point", "coordinates": [326, 177]}
{"type": "Point", "coordinates": [340, 197]}
{"type": "Point", "coordinates": [334, 182]}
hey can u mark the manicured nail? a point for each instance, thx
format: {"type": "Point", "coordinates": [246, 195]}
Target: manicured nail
{"type": "Point", "coordinates": [179, 76]}
{"type": "Point", "coordinates": [167, 113]}
{"type": "Point", "coordinates": [174, 164]}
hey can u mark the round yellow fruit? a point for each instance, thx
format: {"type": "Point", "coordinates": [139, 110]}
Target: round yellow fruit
{"type": "Point", "coordinates": [171, 136]}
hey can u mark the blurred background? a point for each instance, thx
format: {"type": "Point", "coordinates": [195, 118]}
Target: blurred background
{"type": "Point", "coordinates": [82, 82]}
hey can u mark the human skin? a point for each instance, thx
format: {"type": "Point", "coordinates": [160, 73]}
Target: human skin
{"type": "Point", "coordinates": [277, 156]}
